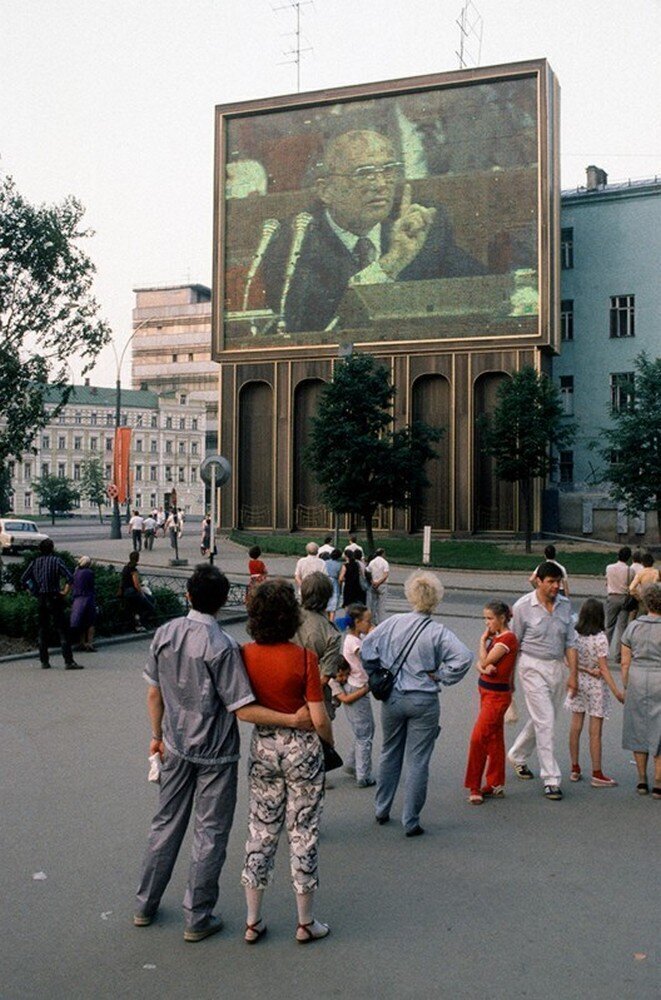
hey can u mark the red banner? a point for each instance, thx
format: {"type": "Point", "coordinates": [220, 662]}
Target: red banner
{"type": "Point", "coordinates": [121, 462]}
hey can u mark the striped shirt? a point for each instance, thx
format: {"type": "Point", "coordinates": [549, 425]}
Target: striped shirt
{"type": "Point", "coordinates": [47, 572]}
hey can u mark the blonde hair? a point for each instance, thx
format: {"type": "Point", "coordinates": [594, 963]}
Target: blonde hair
{"type": "Point", "coordinates": [424, 591]}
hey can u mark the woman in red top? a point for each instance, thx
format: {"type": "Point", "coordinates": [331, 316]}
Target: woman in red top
{"type": "Point", "coordinates": [286, 766]}
{"type": "Point", "coordinates": [496, 659]}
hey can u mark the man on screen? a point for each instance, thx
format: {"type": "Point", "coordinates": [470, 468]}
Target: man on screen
{"type": "Point", "coordinates": [357, 235]}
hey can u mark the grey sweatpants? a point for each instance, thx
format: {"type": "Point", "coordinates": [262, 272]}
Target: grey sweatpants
{"type": "Point", "coordinates": [214, 790]}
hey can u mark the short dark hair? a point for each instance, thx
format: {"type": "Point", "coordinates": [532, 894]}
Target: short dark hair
{"type": "Point", "coordinates": [46, 546]}
{"type": "Point", "coordinates": [328, 539]}
{"type": "Point", "coordinates": [336, 554]}
{"type": "Point", "coordinates": [255, 552]}
{"type": "Point", "coordinates": [549, 551]}
{"type": "Point", "coordinates": [134, 557]}
{"type": "Point", "coordinates": [648, 559]}
{"type": "Point", "coordinates": [273, 612]}
{"type": "Point", "coordinates": [207, 589]}
{"type": "Point", "coordinates": [355, 612]}
{"type": "Point", "coordinates": [316, 591]}
{"type": "Point", "coordinates": [591, 618]}
{"type": "Point", "coordinates": [624, 553]}
{"type": "Point", "coordinates": [549, 569]}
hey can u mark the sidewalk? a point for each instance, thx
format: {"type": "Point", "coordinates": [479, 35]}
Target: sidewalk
{"type": "Point", "coordinates": [233, 560]}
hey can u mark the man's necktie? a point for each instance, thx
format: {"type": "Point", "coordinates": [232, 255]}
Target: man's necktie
{"type": "Point", "coordinates": [364, 252]}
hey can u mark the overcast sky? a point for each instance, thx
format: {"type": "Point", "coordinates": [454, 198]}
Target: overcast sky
{"type": "Point", "coordinates": [112, 100]}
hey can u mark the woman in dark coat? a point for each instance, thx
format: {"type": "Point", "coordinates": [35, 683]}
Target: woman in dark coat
{"type": "Point", "coordinates": [353, 592]}
{"type": "Point", "coordinates": [83, 609]}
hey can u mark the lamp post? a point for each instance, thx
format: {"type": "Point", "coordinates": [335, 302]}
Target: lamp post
{"type": "Point", "coordinates": [116, 523]}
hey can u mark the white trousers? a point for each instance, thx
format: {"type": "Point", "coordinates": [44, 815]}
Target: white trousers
{"type": "Point", "coordinates": [543, 683]}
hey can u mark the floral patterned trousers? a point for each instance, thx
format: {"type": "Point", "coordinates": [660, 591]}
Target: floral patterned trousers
{"type": "Point", "coordinates": [286, 777]}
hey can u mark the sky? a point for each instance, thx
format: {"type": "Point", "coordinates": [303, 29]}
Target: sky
{"type": "Point", "coordinates": [113, 101]}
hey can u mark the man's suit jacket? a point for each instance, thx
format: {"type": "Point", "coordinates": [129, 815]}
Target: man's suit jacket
{"type": "Point", "coordinates": [325, 266]}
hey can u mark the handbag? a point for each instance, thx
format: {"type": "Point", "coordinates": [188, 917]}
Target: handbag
{"type": "Point", "coordinates": [332, 759]}
{"type": "Point", "coordinates": [382, 680]}
{"type": "Point", "coordinates": [630, 603]}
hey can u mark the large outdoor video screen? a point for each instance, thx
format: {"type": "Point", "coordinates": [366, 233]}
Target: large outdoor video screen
{"type": "Point", "coordinates": [401, 215]}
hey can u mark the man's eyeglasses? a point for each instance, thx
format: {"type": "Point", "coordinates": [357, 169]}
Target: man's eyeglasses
{"type": "Point", "coordinates": [364, 176]}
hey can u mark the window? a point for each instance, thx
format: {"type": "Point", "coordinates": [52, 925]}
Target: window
{"type": "Point", "coordinates": [153, 473]}
{"type": "Point", "coordinates": [94, 442]}
{"type": "Point", "coordinates": [93, 419]}
{"type": "Point", "coordinates": [138, 473]}
{"type": "Point", "coordinates": [27, 503]}
{"type": "Point", "coordinates": [153, 446]}
{"type": "Point", "coordinates": [11, 469]}
{"type": "Point", "coordinates": [567, 319]}
{"type": "Point", "coordinates": [193, 423]}
{"type": "Point", "coordinates": [181, 474]}
{"type": "Point", "coordinates": [622, 316]}
{"type": "Point", "coordinates": [152, 499]}
{"type": "Point", "coordinates": [566, 249]}
{"type": "Point", "coordinates": [182, 423]}
{"type": "Point", "coordinates": [61, 470]}
{"type": "Point", "coordinates": [168, 447]}
{"type": "Point", "coordinates": [615, 456]}
{"type": "Point", "coordinates": [567, 394]}
{"type": "Point", "coordinates": [168, 423]}
{"type": "Point", "coordinates": [193, 448]}
{"type": "Point", "coordinates": [138, 500]}
{"type": "Point", "coordinates": [622, 392]}
{"type": "Point", "coordinates": [108, 472]}
{"type": "Point", "coordinates": [175, 358]}
{"type": "Point", "coordinates": [191, 357]}
{"type": "Point", "coordinates": [78, 419]}
{"type": "Point", "coordinates": [61, 443]}
{"type": "Point", "coordinates": [168, 473]}
{"type": "Point", "coordinates": [182, 447]}
{"type": "Point", "coordinates": [27, 471]}
{"type": "Point", "coordinates": [110, 419]}
{"type": "Point", "coordinates": [138, 420]}
{"type": "Point", "coordinates": [193, 474]}
{"type": "Point", "coordinates": [154, 420]}
{"type": "Point", "coordinates": [566, 466]}
{"type": "Point", "coordinates": [125, 419]}
{"type": "Point", "coordinates": [76, 470]}
{"type": "Point", "coordinates": [138, 444]}
{"type": "Point", "coordinates": [45, 469]}
{"type": "Point", "coordinates": [182, 397]}
{"type": "Point", "coordinates": [77, 443]}
{"type": "Point", "coordinates": [108, 444]}
{"type": "Point", "coordinates": [45, 441]}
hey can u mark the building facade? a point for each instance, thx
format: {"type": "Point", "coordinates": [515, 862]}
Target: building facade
{"type": "Point", "coordinates": [171, 348]}
{"type": "Point", "coordinates": [167, 447]}
{"type": "Point", "coordinates": [610, 313]}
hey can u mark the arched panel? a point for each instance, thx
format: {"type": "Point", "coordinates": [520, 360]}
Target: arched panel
{"type": "Point", "coordinates": [255, 438]}
{"type": "Point", "coordinates": [493, 500]}
{"type": "Point", "coordinates": [430, 403]}
{"type": "Point", "coordinates": [309, 511]}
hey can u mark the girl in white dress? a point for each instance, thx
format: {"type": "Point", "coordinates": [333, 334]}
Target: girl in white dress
{"type": "Point", "coordinates": [594, 680]}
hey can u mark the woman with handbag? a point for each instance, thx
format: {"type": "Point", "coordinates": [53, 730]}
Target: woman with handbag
{"type": "Point", "coordinates": [420, 654]}
{"type": "Point", "coordinates": [286, 766]}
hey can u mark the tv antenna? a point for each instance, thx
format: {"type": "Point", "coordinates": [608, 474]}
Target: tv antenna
{"type": "Point", "coordinates": [299, 48]}
{"type": "Point", "coordinates": [470, 36]}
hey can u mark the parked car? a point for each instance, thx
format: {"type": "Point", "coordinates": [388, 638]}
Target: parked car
{"type": "Point", "coordinates": [17, 534]}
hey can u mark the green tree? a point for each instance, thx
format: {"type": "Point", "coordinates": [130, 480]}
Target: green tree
{"type": "Point", "coordinates": [527, 423]}
{"type": "Point", "coordinates": [358, 460]}
{"type": "Point", "coordinates": [92, 484]}
{"type": "Point", "coordinates": [56, 493]}
{"type": "Point", "coordinates": [5, 490]}
{"type": "Point", "coordinates": [634, 441]}
{"type": "Point", "coordinates": [47, 311]}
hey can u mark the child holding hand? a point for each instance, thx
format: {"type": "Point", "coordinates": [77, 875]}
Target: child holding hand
{"type": "Point", "coordinates": [351, 689]}
{"type": "Point", "coordinates": [594, 681]}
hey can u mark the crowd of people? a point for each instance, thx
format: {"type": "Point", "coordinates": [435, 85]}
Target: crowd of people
{"type": "Point", "coordinates": [143, 530]}
{"type": "Point", "coordinates": [306, 662]}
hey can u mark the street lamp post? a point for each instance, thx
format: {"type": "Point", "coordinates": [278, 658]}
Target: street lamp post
{"type": "Point", "coordinates": [116, 523]}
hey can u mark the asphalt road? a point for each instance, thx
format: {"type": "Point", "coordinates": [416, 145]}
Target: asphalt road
{"type": "Point", "coordinates": [518, 898]}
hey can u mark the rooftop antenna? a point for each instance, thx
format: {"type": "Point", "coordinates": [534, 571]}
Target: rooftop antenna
{"type": "Point", "coordinates": [298, 48]}
{"type": "Point", "coordinates": [470, 35]}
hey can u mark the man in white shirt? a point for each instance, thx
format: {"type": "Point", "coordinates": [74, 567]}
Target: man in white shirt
{"type": "Point", "coordinates": [377, 593]}
{"type": "Point", "coordinates": [136, 527]}
{"type": "Point", "coordinates": [310, 563]}
{"type": "Point", "coordinates": [618, 578]}
{"type": "Point", "coordinates": [150, 531]}
{"type": "Point", "coordinates": [327, 547]}
{"type": "Point", "coordinates": [549, 556]}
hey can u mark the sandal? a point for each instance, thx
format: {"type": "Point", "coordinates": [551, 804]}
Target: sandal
{"type": "Point", "coordinates": [642, 788]}
{"type": "Point", "coordinates": [476, 799]}
{"type": "Point", "coordinates": [310, 935]}
{"type": "Point", "coordinates": [656, 793]}
{"type": "Point", "coordinates": [254, 932]}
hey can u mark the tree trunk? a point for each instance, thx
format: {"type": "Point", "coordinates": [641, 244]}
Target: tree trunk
{"type": "Point", "coordinates": [100, 514]}
{"type": "Point", "coordinates": [369, 534]}
{"type": "Point", "coordinates": [52, 517]}
{"type": "Point", "coordinates": [526, 486]}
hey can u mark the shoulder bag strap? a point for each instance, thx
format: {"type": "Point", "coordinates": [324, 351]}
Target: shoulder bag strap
{"type": "Point", "coordinates": [419, 628]}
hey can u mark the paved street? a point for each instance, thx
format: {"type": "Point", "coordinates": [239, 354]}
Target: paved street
{"type": "Point", "coordinates": [516, 898]}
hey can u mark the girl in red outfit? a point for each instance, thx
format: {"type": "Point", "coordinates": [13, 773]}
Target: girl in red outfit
{"type": "Point", "coordinates": [496, 659]}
